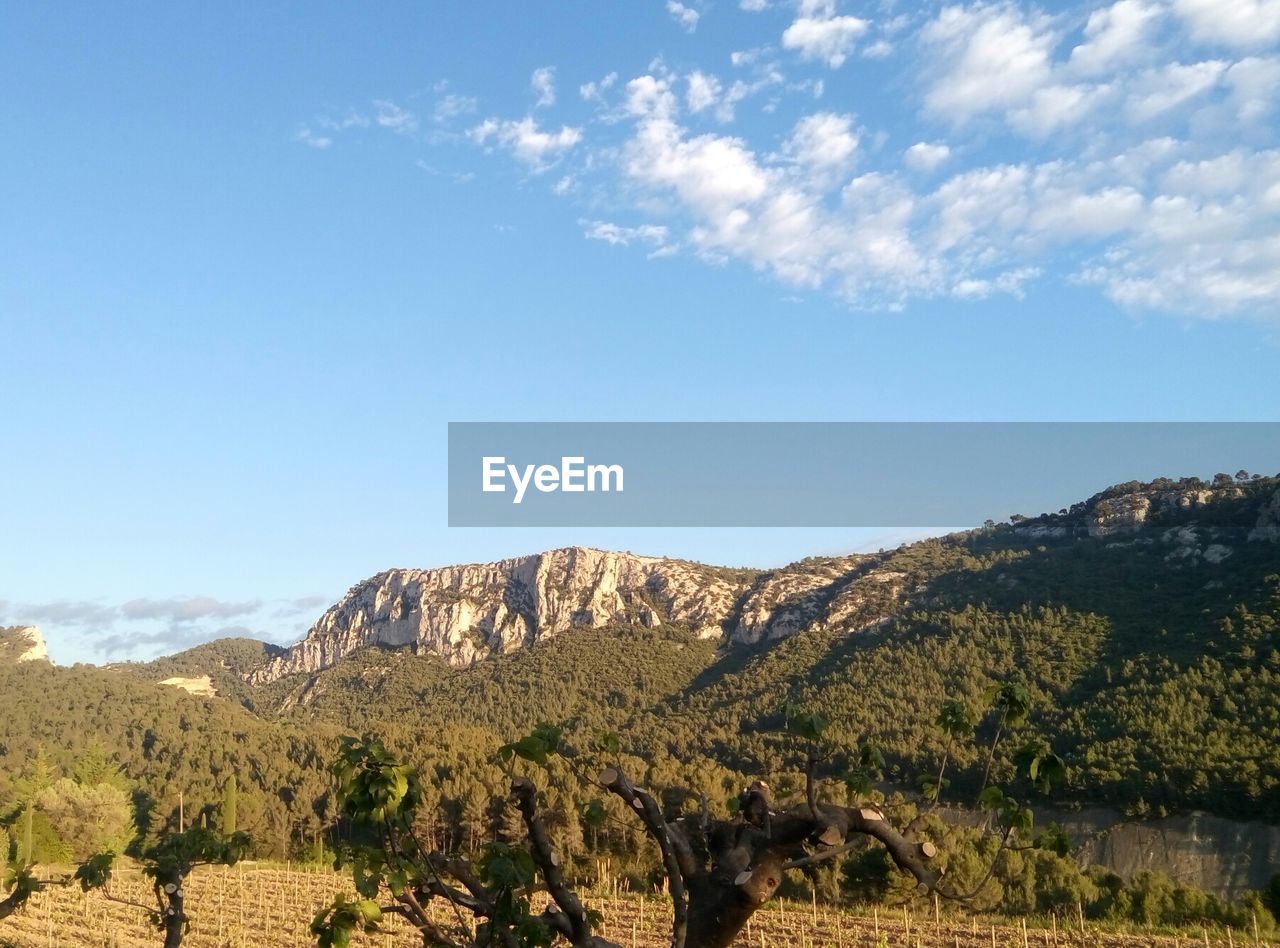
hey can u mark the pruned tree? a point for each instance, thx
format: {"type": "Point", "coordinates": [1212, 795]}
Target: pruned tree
{"type": "Point", "coordinates": [167, 864]}
{"type": "Point", "coordinates": [488, 900]}
{"type": "Point", "coordinates": [719, 871]}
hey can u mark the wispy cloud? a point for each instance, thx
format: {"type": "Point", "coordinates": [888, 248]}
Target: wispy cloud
{"type": "Point", "coordinates": [687, 17]}
{"type": "Point", "coordinates": [146, 626]}
{"type": "Point", "coordinates": [1130, 146]}
{"type": "Point", "coordinates": [186, 608]}
{"type": "Point", "coordinates": [391, 116]}
{"type": "Point", "coordinates": [543, 84]}
{"type": "Point", "coordinates": [537, 148]}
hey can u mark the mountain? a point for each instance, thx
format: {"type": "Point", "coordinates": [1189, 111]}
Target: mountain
{"type": "Point", "coordinates": [1143, 622]}
{"type": "Point", "coordinates": [221, 668]}
{"type": "Point", "coordinates": [463, 614]}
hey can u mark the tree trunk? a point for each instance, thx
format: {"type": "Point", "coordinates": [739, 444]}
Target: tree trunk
{"type": "Point", "coordinates": [174, 920]}
{"type": "Point", "coordinates": [719, 906]}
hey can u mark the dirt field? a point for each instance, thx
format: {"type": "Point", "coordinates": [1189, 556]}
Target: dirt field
{"type": "Point", "coordinates": [260, 907]}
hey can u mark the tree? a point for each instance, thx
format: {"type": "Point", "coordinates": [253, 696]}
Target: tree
{"type": "Point", "coordinates": [719, 872]}
{"type": "Point", "coordinates": [88, 817]}
{"type": "Point", "coordinates": [230, 801]}
{"type": "Point", "coordinates": [167, 864]}
{"type": "Point", "coordinates": [1012, 704]}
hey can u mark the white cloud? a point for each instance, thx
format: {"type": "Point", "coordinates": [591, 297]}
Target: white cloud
{"type": "Point", "coordinates": [1068, 212]}
{"type": "Point", "coordinates": [746, 57]}
{"type": "Point", "coordinates": [819, 34]}
{"type": "Point", "coordinates": [653, 235]}
{"type": "Point", "coordinates": [1242, 23]}
{"type": "Point", "coordinates": [1115, 35]}
{"type": "Point", "coordinates": [1126, 166]}
{"type": "Point", "coordinates": [308, 137]}
{"type": "Point", "coordinates": [703, 91]}
{"type": "Point", "coordinates": [1159, 91]}
{"type": "Point", "coordinates": [352, 119]}
{"type": "Point", "coordinates": [1054, 107]}
{"type": "Point", "coordinates": [594, 91]}
{"type": "Point", "coordinates": [391, 116]}
{"type": "Point", "coordinates": [687, 17]}
{"type": "Point", "coordinates": [926, 156]}
{"type": "Point", "coordinates": [1255, 87]}
{"type": "Point", "coordinates": [536, 148]}
{"type": "Point", "coordinates": [880, 49]}
{"type": "Point", "coordinates": [650, 96]}
{"type": "Point", "coordinates": [823, 144]}
{"type": "Point", "coordinates": [753, 6]}
{"type": "Point", "coordinates": [714, 174]}
{"type": "Point", "coordinates": [993, 58]}
{"type": "Point", "coordinates": [450, 106]}
{"type": "Point", "coordinates": [543, 84]}
{"type": "Point", "coordinates": [1010, 282]}
{"type": "Point", "coordinates": [1136, 230]}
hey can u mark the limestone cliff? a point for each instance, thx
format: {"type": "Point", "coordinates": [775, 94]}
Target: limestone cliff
{"type": "Point", "coordinates": [23, 643]}
{"type": "Point", "coordinates": [464, 613]}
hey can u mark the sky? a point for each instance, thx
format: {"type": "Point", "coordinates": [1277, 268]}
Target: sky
{"type": "Point", "coordinates": [254, 258]}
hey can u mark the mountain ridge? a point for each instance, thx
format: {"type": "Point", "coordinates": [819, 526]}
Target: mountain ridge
{"type": "Point", "coordinates": [467, 612]}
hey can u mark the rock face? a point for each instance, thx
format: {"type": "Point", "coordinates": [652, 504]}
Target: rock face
{"type": "Point", "coordinates": [843, 593]}
{"type": "Point", "coordinates": [1128, 513]}
{"type": "Point", "coordinates": [202, 686]}
{"type": "Point", "coordinates": [465, 613]}
{"type": "Point", "coordinates": [1268, 525]}
{"type": "Point", "coordinates": [25, 644]}
{"type": "Point", "coordinates": [1223, 856]}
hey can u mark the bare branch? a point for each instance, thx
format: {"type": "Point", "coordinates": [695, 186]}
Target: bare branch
{"type": "Point", "coordinates": [571, 920]}
{"type": "Point", "coordinates": [615, 781]}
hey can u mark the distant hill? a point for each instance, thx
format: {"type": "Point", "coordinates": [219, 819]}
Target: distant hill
{"type": "Point", "coordinates": [226, 663]}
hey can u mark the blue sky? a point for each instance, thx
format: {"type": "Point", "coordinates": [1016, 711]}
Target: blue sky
{"type": "Point", "coordinates": [253, 260]}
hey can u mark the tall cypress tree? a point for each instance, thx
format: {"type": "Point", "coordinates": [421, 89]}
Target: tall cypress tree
{"type": "Point", "coordinates": [230, 797]}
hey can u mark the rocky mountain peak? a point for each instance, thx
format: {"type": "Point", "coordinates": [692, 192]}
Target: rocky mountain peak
{"type": "Point", "coordinates": [465, 613]}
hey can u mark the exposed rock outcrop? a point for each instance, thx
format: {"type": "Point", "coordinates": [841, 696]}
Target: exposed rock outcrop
{"type": "Point", "coordinates": [24, 643]}
{"type": "Point", "coordinates": [202, 686]}
{"type": "Point", "coordinates": [464, 613]}
{"type": "Point", "coordinates": [1224, 856]}
{"type": "Point", "coordinates": [1128, 513]}
{"type": "Point", "coordinates": [1268, 525]}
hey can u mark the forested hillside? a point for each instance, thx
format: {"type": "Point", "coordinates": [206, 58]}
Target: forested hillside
{"type": "Point", "coordinates": [170, 751]}
{"type": "Point", "coordinates": [1142, 625]}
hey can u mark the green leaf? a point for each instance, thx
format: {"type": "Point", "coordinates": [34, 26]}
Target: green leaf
{"type": "Point", "coordinates": [532, 749]}
{"type": "Point", "coordinates": [991, 798]}
{"type": "Point", "coordinates": [594, 813]}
